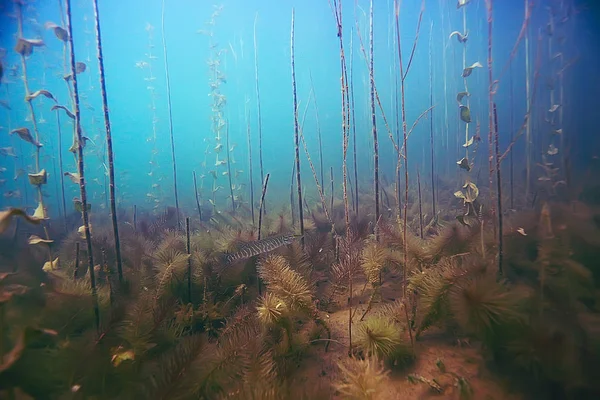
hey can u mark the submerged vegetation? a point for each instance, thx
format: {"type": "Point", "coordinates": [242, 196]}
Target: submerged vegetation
{"type": "Point", "coordinates": [354, 289]}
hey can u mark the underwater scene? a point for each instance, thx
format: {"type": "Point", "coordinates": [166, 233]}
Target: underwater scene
{"type": "Point", "coordinates": [299, 199]}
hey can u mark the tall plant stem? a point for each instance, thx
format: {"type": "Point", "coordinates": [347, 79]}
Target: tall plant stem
{"type": "Point", "coordinates": [319, 137]}
{"type": "Point", "coordinates": [512, 205]}
{"type": "Point", "coordinates": [493, 126]}
{"type": "Point", "coordinates": [296, 135]}
{"type": "Point", "coordinates": [332, 186]}
{"type": "Point", "coordinates": [28, 100]}
{"type": "Point", "coordinates": [196, 195]}
{"type": "Point", "coordinates": [109, 147]}
{"type": "Point", "coordinates": [292, 180]}
{"type": "Point", "coordinates": [356, 204]}
{"type": "Point", "coordinates": [189, 260]}
{"type": "Point", "coordinates": [250, 167]}
{"type": "Point", "coordinates": [62, 174]}
{"type": "Point", "coordinates": [262, 204]}
{"type": "Point", "coordinates": [168, 80]}
{"type": "Point", "coordinates": [374, 122]}
{"type": "Point", "coordinates": [229, 169]}
{"type": "Point", "coordinates": [259, 122]}
{"type": "Point", "coordinates": [528, 97]}
{"type": "Point", "coordinates": [431, 142]}
{"type": "Point", "coordinates": [80, 144]}
{"type": "Point", "coordinates": [420, 203]}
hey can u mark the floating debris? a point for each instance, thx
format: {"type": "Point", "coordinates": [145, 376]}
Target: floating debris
{"type": "Point", "coordinates": [552, 150]}
{"type": "Point", "coordinates": [465, 114]}
{"type": "Point", "coordinates": [464, 164]}
{"type": "Point", "coordinates": [26, 136]}
{"type": "Point", "coordinates": [34, 239]}
{"type": "Point", "coordinates": [25, 46]}
{"type": "Point", "coordinates": [469, 70]}
{"type": "Point", "coordinates": [7, 152]}
{"type": "Point", "coordinates": [461, 38]}
{"type": "Point", "coordinates": [60, 32]}
{"type": "Point", "coordinates": [554, 108]}
{"type": "Point", "coordinates": [41, 92]}
{"type": "Point", "coordinates": [40, 212]}
{"type": "Point", "coordinates": [73, 176]}
{"type": "Point", "coordinates": [50, 265]}
{"type": "Point", "coordinates": [78, 205]}
{"type": "Point", "coordinates": [38, 179]}
{"type": "Point", "coordinates": [5, 104]}
{"type": "Point", "coordinates": [69, 113]}
{"type": "Point", "coordinates": [7, 216]}
{"type": "Point", "coordinates": [521, 231]}
{"type": "Point", "coordinates": [461, 95]}
{"type": "Point", "coordinates": [462, 3]}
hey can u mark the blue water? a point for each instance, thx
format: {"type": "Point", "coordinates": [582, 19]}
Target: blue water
{"type": "Point", "coordinates": [126, 42]}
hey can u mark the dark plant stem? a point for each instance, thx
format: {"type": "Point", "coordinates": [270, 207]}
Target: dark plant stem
{"type": "Point", "coordinates": [331, 179]}
{"type": "Point", "coordinates": [76, 260]}
{"type": "Point", "coordinates": [374, 124]}
{"type": "Point", "coordinates": [292, 206]}
{"type": "Point", "coordinates": [420, 203]}
{"type": "Point", "coordinates": [320, 139]}
{"type": "Point", "coordinates": [109, 148]}
{"type": "Point", "coordinates": [356, 204]}
{"type": "Point", "coordinates": [189, 260]}
{"type": "Point", "coordinates": [493, 125]}
{"type": "Point", "coordinates": [83, 194]}
{"type": "Point", "coordinates": [431, 125]}
{"type": "Point", "coordinates": [296, 136]}
{"type": "Point", "coordinates": [168, 80]}
{"type": "Point", "coordinates": [512, 204]}
{"type": "Point", "coordinates": [228, 169]}
{"type": "Point", "coordinates": [250, 168]}
{"type": "Point", "coordinates": [262, 204]}
{"type": "Point", "coordinates": [62, 174]}
{"type": "Point", "coordinates": [196, 193]}
{"type": "Point", "coordinates": [260, 154]}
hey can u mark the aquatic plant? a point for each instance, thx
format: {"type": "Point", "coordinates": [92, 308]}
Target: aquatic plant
{"type": "Point", "coordinates": [296, 133]}
{"type": "Point", "coordinates": [109, 149]}
{"type": "Point", "coordinates": [167, 78]}
{"type": "Point", "coordinates": [361, 379]}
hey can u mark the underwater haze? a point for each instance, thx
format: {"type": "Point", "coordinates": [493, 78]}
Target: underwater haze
{"type": "Point", "coordinates": [299, 199]}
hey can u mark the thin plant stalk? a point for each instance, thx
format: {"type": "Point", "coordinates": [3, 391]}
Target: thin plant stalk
{"type": "Point", "coordinates": [319, 138]}
{"type": "Point", "coordinates": [250, 166]}
{"type": "Point", "coordinates": [259, 118]}
{"type": "Point", "coordinates": [292, 180]}
{"type": "Point", "coordinates": [420, 203]}
{"type": "Point", "coordinates": [229, 169]}
{"type": "Point", "coordinates": [170, 111]}
{"type": "Point", "coordinates": [135, 218]}
{"type": "Point", "coordinates": [431, 142]}
{"type": "Point", "coordinates": [196, 195]}
{"type": "Point", "coordinates": [331, 181]}
{"type": "Point", "coordinates": [527, 96]}
{"type": "Point", "coordinates": [262, 204]}
{"type": "Point", "coordinates": [512, 165]}
{"type": "Point", "coordinates": [296, 135]}
{"type": "Point", "coordinates": [109, 147]}
{"type": "Point", "coordinates": [351, 88]}
{"type": "Point", "coordinates": [62, 174]}
{"type": "Point", "coordinates": [82, 189]}
{"type": "Point", "coordinates": [374, 123]}
{"type": "Point", "coordinates": [189, 260]}
{"type": "Point", "coordinates": [76, 260]}
{"type": "Point", "coordinates": [499, 190]}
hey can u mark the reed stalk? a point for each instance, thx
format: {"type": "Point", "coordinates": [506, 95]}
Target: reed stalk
{"type": "Point", "coordinates": [259, 118]}
{"type": "Point", "coordinates": [292, 180]}
{"type": "Point", "coordinates": [431, 141]}
{"type": "Point", "coordinates": [296, 135]}
{"type": "Point", "coordinates": [32, 115]}
{"type": "Point", "coordinates": [351, 89]}
{"type": "Point", "coordinates": [250, 167]}
{"type": "Point", "coordinates": [189, 260]}
{"type": "Point", "coordinates": [374, 122]}
{"type": "Point", "coordinates": [229, 168]}
{"type": "Point", "coordinates": [262, 205]}
{"type": "Point", "coordinates": [196, 195]}
{"type": "Point", "coordinates": [528, 97]}
{"type": "Point", "coordinates": [109, 147]}
{"type": "Point", "coordinates": [319, 137]}
{"type": "Point", "coordinates": [420, 203]}
{"type": "Point", "coordinates": [493, 126]}
{"type": "Point", "coordinates": [331, 181]}
{"type": "Point", "coordinates": [170, 111]}
{"type": "Point", "coordinates": [82, 189]}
